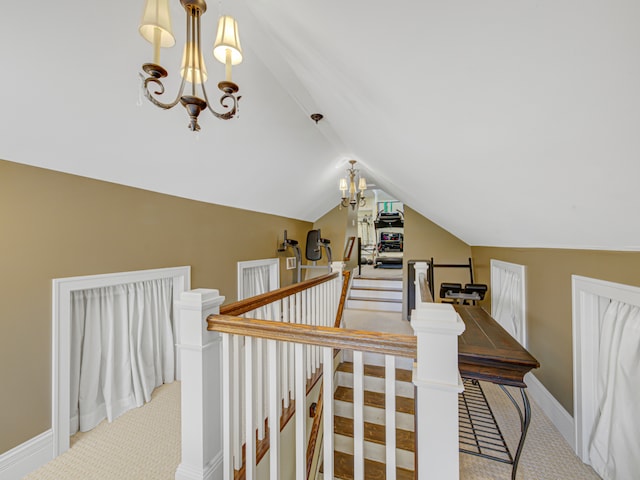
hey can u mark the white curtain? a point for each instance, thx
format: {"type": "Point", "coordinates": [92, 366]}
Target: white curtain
{"type": "Point", "coordinates": [255, 280]}
{"type": "Point", "coordinates": [507, 308]}
{"type": "Point", "coordinates": [615, 442]}
{"type": "Point", "coordinates": [122, 348]}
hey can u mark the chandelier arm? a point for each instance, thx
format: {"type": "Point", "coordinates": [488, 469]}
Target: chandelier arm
{"type": "Point", "coordinates": [160, 91]}
{"type": "Point", "coordinates": [232, 109]}
{"type": "Point", "coordinates": [227, 89]}
{"type": "Point", "coordinates": [155, 73]}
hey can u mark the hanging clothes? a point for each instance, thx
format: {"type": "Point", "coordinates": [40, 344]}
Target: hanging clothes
{"type": "Point", "coordinates": [122, 348]}
{"type": "Point", "coordinates": [615, 441]}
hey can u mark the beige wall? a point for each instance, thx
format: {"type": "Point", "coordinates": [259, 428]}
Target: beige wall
{"type": "Point", "coordinates": [336, 225]}
{"type": "Point", "coordinates": [424, 239]}
{"type": "Point", "coordinates": [56, 225]}
{"type": "Point", "coordinates": [548, 280]}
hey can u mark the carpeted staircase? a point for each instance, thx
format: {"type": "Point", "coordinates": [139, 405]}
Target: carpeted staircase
{"type": "Point", "coordinates": [380, 294]}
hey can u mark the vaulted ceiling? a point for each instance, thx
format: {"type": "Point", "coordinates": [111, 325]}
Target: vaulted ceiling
{"type": "Point", "coordinates": [508, 123]}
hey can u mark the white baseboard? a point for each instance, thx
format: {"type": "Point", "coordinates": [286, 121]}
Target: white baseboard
{"type": "Point", "coordinates": [213, 471]}
{"type": "Point", "coordinates": [552, 409]}
{"type": "Point", "coordinates": [27, 457]}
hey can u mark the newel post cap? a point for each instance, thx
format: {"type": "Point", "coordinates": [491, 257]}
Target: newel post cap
{"type": "Point", "coordinates": [200, 298]}
{"type": "Point", "coordinates": [436, 318]}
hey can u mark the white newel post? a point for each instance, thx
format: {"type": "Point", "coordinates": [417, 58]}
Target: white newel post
{"type": "Point", "coordinates": [420, 268]}
{"type": "Point", "coordinates": [201, 387]}
{"type": "Point", "coordinates": [437, 380]}
{"type": "Point", "coordinates": [338, 267]}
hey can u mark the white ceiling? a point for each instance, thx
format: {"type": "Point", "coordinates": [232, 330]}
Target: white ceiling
{"type": "Point", "coordinates": [509, 123]}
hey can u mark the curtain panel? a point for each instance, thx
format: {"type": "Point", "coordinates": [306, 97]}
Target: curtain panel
{"type": "Point", "coordinates": [508, 307]}
{"type": "Point", "coordinates": [615, 441]}
{"type": "Point", "coordinates": [122, 348]}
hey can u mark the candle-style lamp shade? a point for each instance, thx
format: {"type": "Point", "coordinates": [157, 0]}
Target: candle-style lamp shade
{"type": "Point", "coordinates": [190, 67]}
{"type": "Point", "coordinates": [343, 185]}
{"type": "Point", "coordinates": [227, 38]}
{"type": "Point", "coordinates": [226, 48]}
{"type": "Point", "coordinates": [155, 26]}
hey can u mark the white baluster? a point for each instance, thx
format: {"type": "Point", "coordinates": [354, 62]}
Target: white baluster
{"type": "Point", "coordinates": [328, 411]}
{"type": "Point", "coordinates": [315, 353]}
{"type": "Point", "coordinates": [250, 431]}
{"type": "Point", "coordinates": [358, 416]}
{"type": "Point", "coordinates": [297, 319]}
{"type": "Point", "coordinates": [285, 355]}
{"type": "Point", "coordinates": [227, 402]}
{"type": "Point", "coordinates": [301, 412]}
{"type": "Point", "coordinates": [306, 308]}
{"type": "Point", "coordinates": [259, 387]}
{"type": "Point", "coordinates": [390, 414]}
{"type": "Point", "coordinates": [274, 409]}
{"type": "Point", "coordinates": [235, 407]}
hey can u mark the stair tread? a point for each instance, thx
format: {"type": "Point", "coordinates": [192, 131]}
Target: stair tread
{"type": "Point", "coordinates": [405, 440]}
{"type": "Point", "coordinates": [343, 468]}
{"type": "Point", "coordinates": [402, 375]}
{"type": "Point", "coordinates": [377, 289]}
{"type": "Point", "coordinates": [376, 400]}
{"type": "Point", "coordinates": [382, 279]}
{"type": "Point", "coordinates": [369, 299]}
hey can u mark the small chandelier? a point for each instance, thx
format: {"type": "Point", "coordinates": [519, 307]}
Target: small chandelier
{"type": "Point", "coordinates": [156, 28]}
{"type": "Point", "coordinates": [356, 196]}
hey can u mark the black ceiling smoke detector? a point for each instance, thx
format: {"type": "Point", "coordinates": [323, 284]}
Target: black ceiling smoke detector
{"type": "Point", "coordinates": [316, 117]}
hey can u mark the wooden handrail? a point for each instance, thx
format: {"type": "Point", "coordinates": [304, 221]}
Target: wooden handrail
{"type": "Point", "coordinates": [364, 341]}
{"type": "Point", "coordinates": [343, 297]}
{"type": "Point", "coordinates": [313, 435]}
{"type": "Point", "coordinates": [425, 291]}
{"type": "Point", "coordinates": [244, 306]}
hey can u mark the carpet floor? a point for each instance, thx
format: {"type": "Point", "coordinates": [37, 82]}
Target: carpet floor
{"type": "Point", "coordinates": [144, 444]}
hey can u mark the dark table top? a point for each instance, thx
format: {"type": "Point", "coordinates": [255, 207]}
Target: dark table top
{"type": "Point", "coordinates": [487, 352]}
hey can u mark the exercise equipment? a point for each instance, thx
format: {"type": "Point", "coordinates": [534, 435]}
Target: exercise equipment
{"type": "Point", "coordinates": [455, 292]}
{"type": "Point", "coordinates": [390, 245]}
{"type": "Point", "coordinates": [313, 251]}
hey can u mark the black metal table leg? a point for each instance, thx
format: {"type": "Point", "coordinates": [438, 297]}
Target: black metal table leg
{"type": "Point", "coordinates": [525, 420]}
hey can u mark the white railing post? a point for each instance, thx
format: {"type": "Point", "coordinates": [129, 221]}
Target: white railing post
{"type": "Point", "coordinates": [420, 268]}
{"type": "Point", "coordinates": [201, 387]}
{"type": "Point", "coordinates": [438, 383]}
{"type": "Point", "coordinates": [337, 267]}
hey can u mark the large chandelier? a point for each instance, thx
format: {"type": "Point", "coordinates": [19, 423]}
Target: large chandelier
{"type": "Point", "coordinates": [356, 195]}
{"type": "Point", "coordinates": [156, 28]}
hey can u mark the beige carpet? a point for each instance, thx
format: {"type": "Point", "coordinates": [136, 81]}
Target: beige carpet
{"type": "Point", "coordinates": [142, 444]}
{"type": "Point", "coordinates": [546, 455]}
{"type": "Point", "coordinates": [145, 444]}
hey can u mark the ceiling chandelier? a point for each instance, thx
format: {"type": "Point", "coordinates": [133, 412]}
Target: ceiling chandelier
{"type": "Point", "coordinates": [156, 28]}
{"type": "Point", "coordinates": [356, 196]}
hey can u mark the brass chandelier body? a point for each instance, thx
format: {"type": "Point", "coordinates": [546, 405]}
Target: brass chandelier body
{"type": "Point", "coordinates": [193, 67]}
{"type": "Point", "coordinates": [356, 194]}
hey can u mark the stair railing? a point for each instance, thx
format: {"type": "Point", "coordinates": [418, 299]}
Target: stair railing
{"type": "Point", "coordinates": [303, 338]}
{"type": "Point", "coordinates": [222, 410]}
{"type": "Point", "coordinates": [313, 302]}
